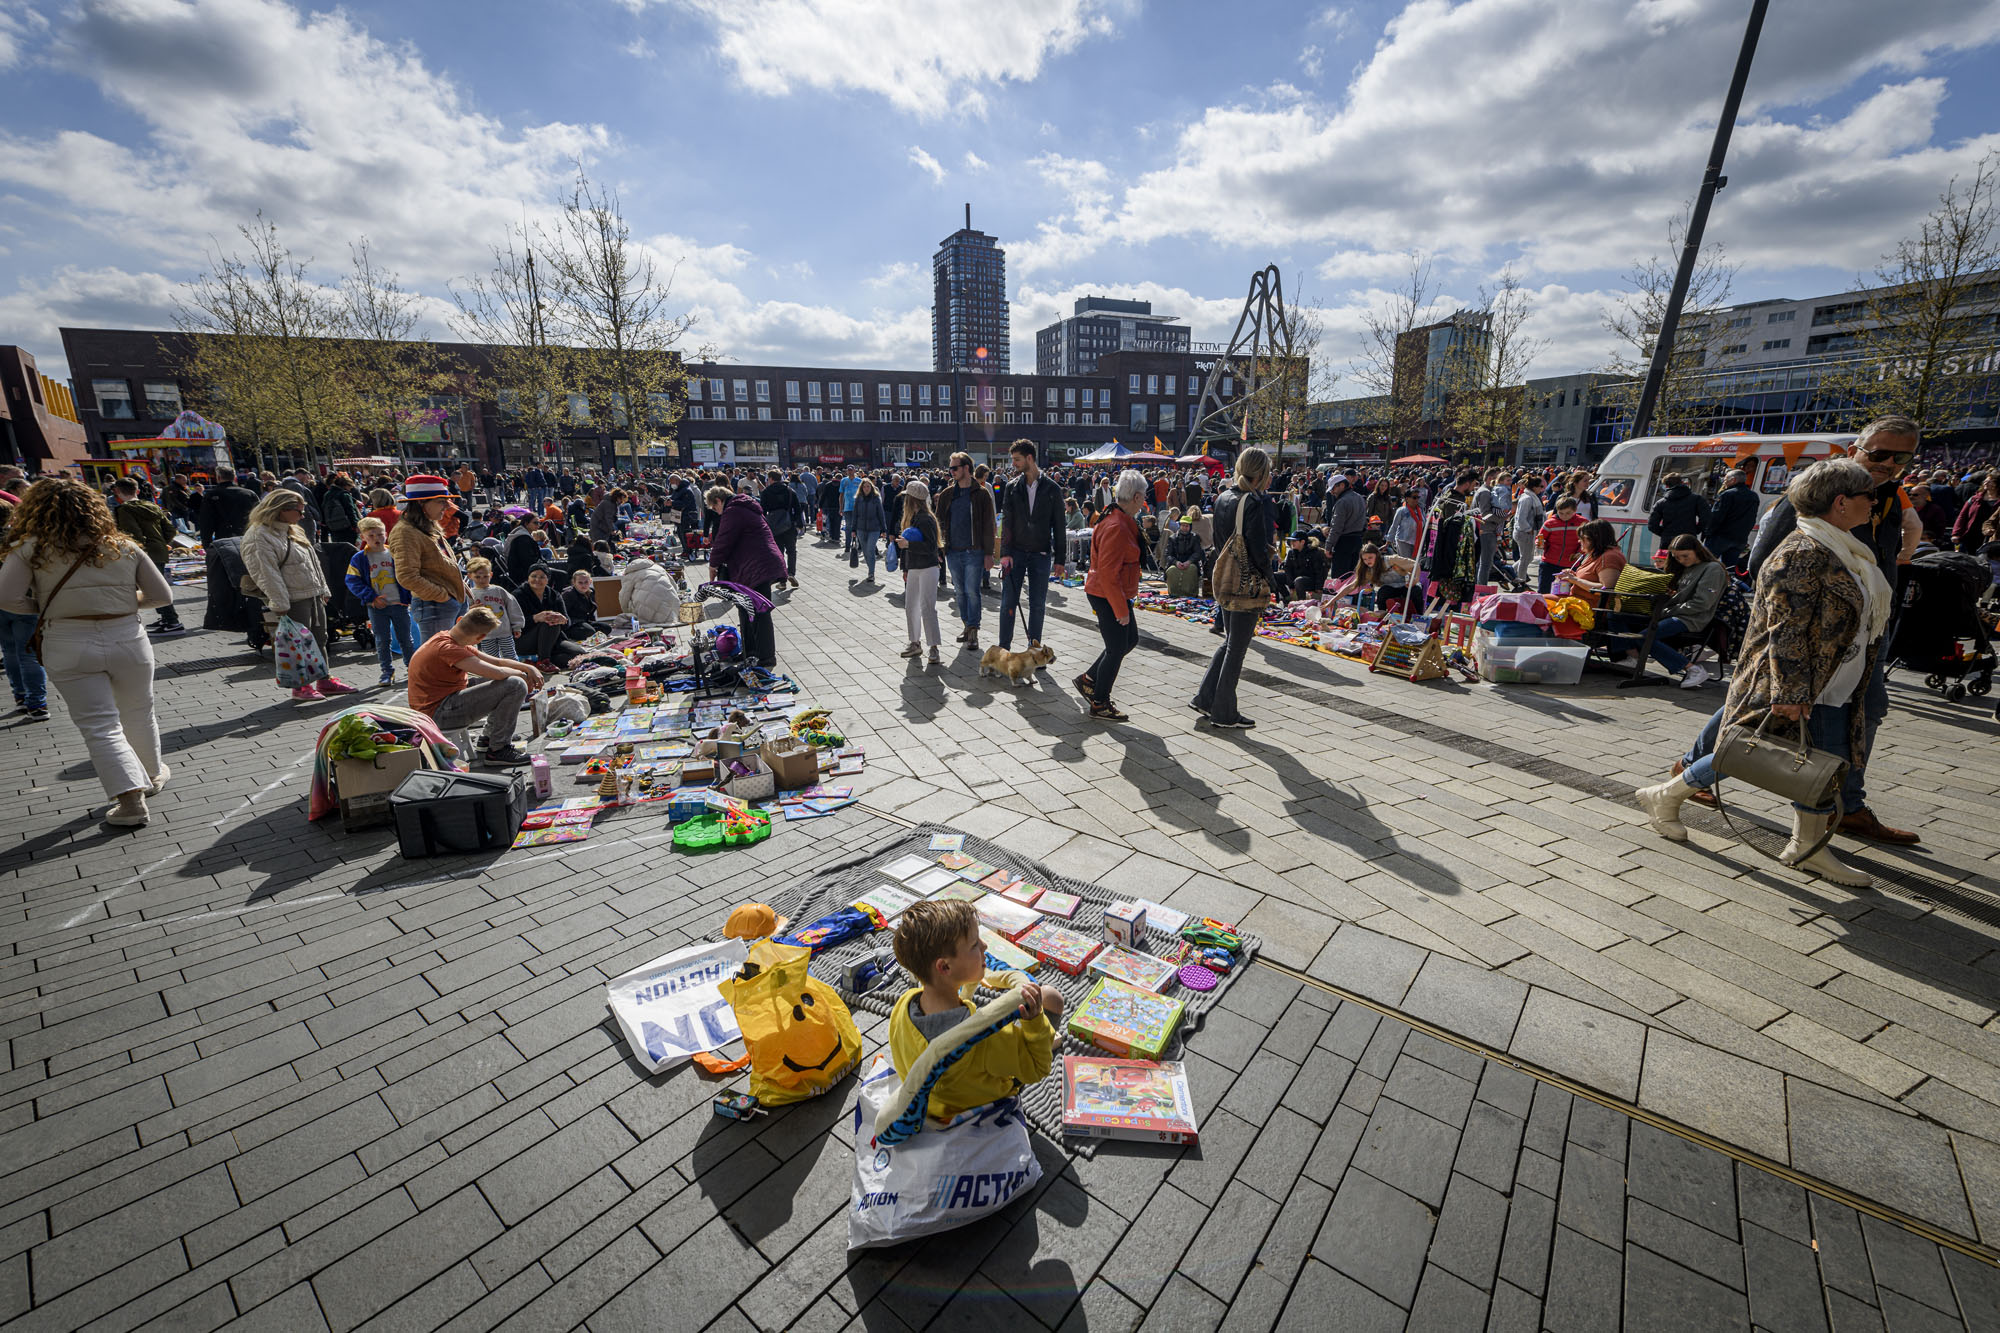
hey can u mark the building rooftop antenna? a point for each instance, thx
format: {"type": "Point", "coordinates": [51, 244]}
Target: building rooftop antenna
{"type": "Point", "coordinates": [968, 215]}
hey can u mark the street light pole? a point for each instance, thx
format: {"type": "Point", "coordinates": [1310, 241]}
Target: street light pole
{"type": "Point", "coordinates": [1712, 180]}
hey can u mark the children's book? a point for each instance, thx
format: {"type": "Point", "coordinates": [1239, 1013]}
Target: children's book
{"type": "Point", "coordinates": [539, 837]}
{"type": "Point", "coordinates": [1064, 950]}
{"type": "Point", "coordinates": [1127, 1099]}
{"type": "Point", "coordinates": [1164, 919]}
{"type": "Point", "coordinates": [936, 881]}
{"type": "Point", "coordinates": [1000, 953]}
{"type": "Point", "coordinates": [972, 870]}
{"type": "Point", "coordinates": [1009, 918]}
{"type": "Point", "coordinates": [955, 861]}
{"type": "Point", "coordinates": [960, 890]}
{"type": "Point", "coordinates": [906, 868]}
{"type": "Point", "coordinates": [1022, 892]}
{"type": "Point", "coordinates": [1125, 1020]}
{"type": "Point", "coordinates": [947, 842]}
{"type": "Point", "coordinates": [1001, 880]}
{"type": "Point", "coordinates": [1137, 969]}
{"type": "Point", "coordinates": [1063, 905]}
{"type": "Point", "coordinates": [888, 899]}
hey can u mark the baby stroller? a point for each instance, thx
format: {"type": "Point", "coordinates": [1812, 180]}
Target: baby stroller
{"type": "Point", "coordinates": [1940, 632]}
{"type": "Point", "coordinates": [345, 613]}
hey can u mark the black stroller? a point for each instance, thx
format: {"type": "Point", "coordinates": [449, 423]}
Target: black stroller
{"type": "Point", "coordinates": [1940, 632]}
{"type": "Point", "coordinates": [345, 613]}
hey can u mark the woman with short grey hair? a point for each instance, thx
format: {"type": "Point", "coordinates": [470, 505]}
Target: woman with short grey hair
{"type": "Point", "coordinates": [1817, 620]}
{"type": "Point", "coordinates": [1130, 486]}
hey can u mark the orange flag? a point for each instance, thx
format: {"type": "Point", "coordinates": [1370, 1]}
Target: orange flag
{"type": "Point", "coordinates": [1793, 448]}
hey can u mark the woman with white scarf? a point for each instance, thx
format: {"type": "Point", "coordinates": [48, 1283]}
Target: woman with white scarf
{"type": "Point", "coordinates": [1816, 625]}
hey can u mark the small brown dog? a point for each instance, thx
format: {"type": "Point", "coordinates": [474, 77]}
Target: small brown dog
{"type": "Point", "coordinates": [1017, 667]}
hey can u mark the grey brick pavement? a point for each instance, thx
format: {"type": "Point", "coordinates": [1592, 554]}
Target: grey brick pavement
{"type": "Point", "coordinates": [259, 1071]}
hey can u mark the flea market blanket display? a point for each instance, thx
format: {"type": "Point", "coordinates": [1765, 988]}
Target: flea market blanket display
{"type": "Point", "coordinates": [1033, 920]}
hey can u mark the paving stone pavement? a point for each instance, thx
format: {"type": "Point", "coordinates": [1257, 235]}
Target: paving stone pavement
{"type": "Point", "coordinates": [260, 1072]}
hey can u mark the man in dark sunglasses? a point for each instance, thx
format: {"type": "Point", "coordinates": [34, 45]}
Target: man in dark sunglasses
{"type": "Point", "coordinates": [1886, 447]}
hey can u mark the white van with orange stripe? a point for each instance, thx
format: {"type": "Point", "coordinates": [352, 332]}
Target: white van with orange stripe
{"type": "Point", "coordinates": [1629, 479]}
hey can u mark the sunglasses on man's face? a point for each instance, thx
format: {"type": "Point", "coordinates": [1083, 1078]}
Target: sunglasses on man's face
{"type": "Point", "coordinates": [1900, 457]}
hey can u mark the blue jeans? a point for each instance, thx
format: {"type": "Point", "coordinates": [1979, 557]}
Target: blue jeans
{"type": "Point", "coordinates": [968, 568]}
{"type": "Point", "coordinates": [1029, 567]}
{"type": "Point", "coordinates": [870, 551]}
{"type": "Point", "coordinates": [433, 617]}
{"type": "Point", "coordinates": [538, 498]}
{"type": "Point", "coordinates": [24, 670]}
{"type": "Point", "coordinates": [1826, 729]}
{"type": "Point", "coordinates": [393, 634]}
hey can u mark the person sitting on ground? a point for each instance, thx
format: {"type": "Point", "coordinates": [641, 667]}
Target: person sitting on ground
{"type": "Point", "coordinates": [549, 636]}
{"type": "Point", "coordinates": [485, 592]}
{"type": "Point", "coordinates": [1183, 547]}
{"type": "Point", "coordinates": [580, 601]}
{"type": "Point", "coordinates": [1304, 569]}
{"type": "Point", "coordinates": [938, 943]}
{"type": "Point", "coordinates": [439, 685]}
{"type": "Point", "coordinates": [1379, 582]}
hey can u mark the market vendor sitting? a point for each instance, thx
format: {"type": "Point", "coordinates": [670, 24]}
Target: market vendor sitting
{"type": "Point", "coordinates": [439, 685]}
{"type": "Point", "coordinates": [938, 943]}
{"type": "Point", "coordinates": [1304, 569]}
{"type": "Point", "coordinates": [1183, 547]}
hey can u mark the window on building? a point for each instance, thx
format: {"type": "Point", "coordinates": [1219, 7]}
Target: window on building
{"type": "Point", "coordinates": [882, 394]}
{"type": "Point", "coordinates": [742, 414]}
{"type": "Point", "coordinates": [791, 391]}
{"type": "Point", "coordinates": [1069, 396]}
{"type": "Point", "coordinates": [1006, 418]}
{"type": "Point", "coordinates": [986, 395]}
{"type": "Point", "coordinates": [944, 395]}
{"type": "Point", "coordinates": [114, 399]}
{"type": "Point", "coordinates": [903, 394]}
{"type": "Point", "coordinates": [1138, 416]}
{"type": "Point", "coordinates": [1132, 384]}
{"type": "Point", "coordinates": [1776, 344]}
{"type": "Point", "coordinates": [1069, 418]}
{"type": "Point", "coordinates": [854, 392]}
{"type": "Point", "coordinates": [1007, 393]}
{"type": "Point", "coordinates": [833, 392]}
{"type": "Point", "coordinates": [1050, 399]}
{"type": "Point", "coordinates": [1740, 323]}
{"type": "Point", "coordinates": [812, 391]}
{"type": "Point", "coordinates": [1228, 385]}
{"type": "Point", "coordinates": [694, 390]}
{"type": "Point", "coordinates": [839, 414]}
{"type": "Point", "coordinates": [163, 398]}
{"type": "Point", "coordinates": [815, 414]}
{"type": "Point", "coordinates": [1735, 349]}
{"type": "Point", "coordinates": [1167, 383]}
{"type": "Point", "coordinates": [1152, 384]}
{"type": "Point", "coordinates": [1840, 313]}
{"type": "Point", "coordinates": [1782, 317]}
{"type": "Point", "coordinates": [696, 411]}
{"type": "Point", "coordinates": [715, 393]}
{"type": "Point", "coordinates": [763, 414]}
{"type": "Point", "coordinates": [1027, 418]}
{"type": "Point", "coordinates": [923, 416]}
{"type": "Point", "coordinates": [763, 391]}
{"type": "Point", "coordinates": [1167, 416]}
{"type": "Point", "coordinates": [793, 414]}
{"type": "Point", "coordinates": [1103, 418]}
{"type": "Point", "coordinates": [579, 408]}
{"type": "Point", "coordinates": [742, 388]}
{"type": "Point", "coordinates": [945, 417]}
{"type": "Point", "coordinates": [923, 395]}
{"type": "Point", "coordinates": [886, 414]}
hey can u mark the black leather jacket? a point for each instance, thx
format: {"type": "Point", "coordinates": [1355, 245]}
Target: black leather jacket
{"type": "Point", "coordinates": [1257, 530]}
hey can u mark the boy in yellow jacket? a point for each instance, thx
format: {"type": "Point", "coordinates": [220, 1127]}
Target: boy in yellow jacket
{"type": "Point", "coordinates": [938, 943]}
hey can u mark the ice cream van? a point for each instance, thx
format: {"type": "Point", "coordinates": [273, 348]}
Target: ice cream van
{"type": "Point", "coordinates": [1629, 479]}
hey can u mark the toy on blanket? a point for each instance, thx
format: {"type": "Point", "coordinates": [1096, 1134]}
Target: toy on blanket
{"type": "Point", "coordinates": [799, 1034]}
{"type": "Point", "coordinates": [815, 728]}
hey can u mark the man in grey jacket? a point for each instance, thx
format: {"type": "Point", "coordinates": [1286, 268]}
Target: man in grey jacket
{"type": "Point", "coordinates": [1347, 526]}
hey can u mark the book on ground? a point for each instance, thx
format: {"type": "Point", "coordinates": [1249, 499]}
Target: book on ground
{"type": "Point", "coordinates": [1127, 1099]}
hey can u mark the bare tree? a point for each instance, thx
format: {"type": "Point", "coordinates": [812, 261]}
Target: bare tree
{"type": "Point", "coordinates": [1926, 346]}
{"type": "Point", "coordinates": [1483, 389]}
{"type": "Point", "coordinates": [221, 355]}
{"type": "Point", "coordinates": [1393, 418]}
{"type": "Point", "coordinates": [396, 367]}
{"type": "Point", "coordinates": [532, 373]}
{"type": "Point", "coordinates": [1704, 338]}
{"type": "Point", "coordinates": [1292, 374]}
{"type": "Point", "coordinates": [617, 309]}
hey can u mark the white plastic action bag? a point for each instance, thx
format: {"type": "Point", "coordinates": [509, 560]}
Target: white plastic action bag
{"type": "Point", "coordinates": [672, 1007]}
{"type": "Point", "coordinates": [939, 1179]}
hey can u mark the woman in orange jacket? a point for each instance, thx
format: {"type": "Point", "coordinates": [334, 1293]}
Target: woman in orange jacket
{"type": "Point", "coordinates": [1111, 585]}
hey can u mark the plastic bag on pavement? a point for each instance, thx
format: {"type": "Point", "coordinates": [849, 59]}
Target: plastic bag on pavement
{"type": "Point", "coordinates": [300, 661]}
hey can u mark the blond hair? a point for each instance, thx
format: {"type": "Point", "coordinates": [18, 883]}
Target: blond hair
{"type": "Point", "coordinates": [371, 524]}
{"type": "Point", "coordinates": [479, 564]}
{"type": "Point", "coordinates": [265, 514]}
{"type": "Point", "coordinates": [482, 618]}
{"type": "Point", "coordinates": [1253, 469]}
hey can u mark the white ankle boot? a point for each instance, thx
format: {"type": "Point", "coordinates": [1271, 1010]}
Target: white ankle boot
{"type": "Point", "coordinates": [1662, 805]}
{"type": "Point", "coordinates": [1807, 829]}
{"type": "Point", "coordinates": [130, 812]}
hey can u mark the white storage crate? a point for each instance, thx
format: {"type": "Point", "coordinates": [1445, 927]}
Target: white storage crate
{"type": "Point", "coordinates": [1549, 661]}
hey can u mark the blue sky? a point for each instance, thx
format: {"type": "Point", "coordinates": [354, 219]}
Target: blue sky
{"type": "Point", "coordinates": [800, 159]}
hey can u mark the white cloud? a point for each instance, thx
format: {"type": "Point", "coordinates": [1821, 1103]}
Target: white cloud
{"type": "Point", "coordinates": [1462, 133]}
{"type": "Point", "coordinates": [1212, 319]}
{"type": "Point", "coordinates": [924, 162]}
{"type": "Point", "coordinates": [639, 49]}
{"type": "Point", "coordinates": [18, 23]}
{"type": "Point", "coordinates": [105, 297]}
{"type": "Point", "coordinates": [973, 161]}
{"type": "Point", "coordinates": [902, 275]}
{"type": "Point", "coordinates": [927, 57]}
{"type": "Point", "coordinates": [1337, 19]}
{"type": "Point", "coordinates": [1310, 62]}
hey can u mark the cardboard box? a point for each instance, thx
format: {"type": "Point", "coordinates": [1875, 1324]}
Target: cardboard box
{"type": "Point", "coordinates": [756, 785]}
{"type": "Point", "coordinates": [364, 777]}
{"type": "Point", "coordinates": [607, 592]}
{"type": "Point", "coordinates": [1125, 925]}
{"type": "Point", "coordinates": [795, 763]}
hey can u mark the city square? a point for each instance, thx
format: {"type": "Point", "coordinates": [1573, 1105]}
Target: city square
{"type": "Point", "coordinates": [1228, 757]}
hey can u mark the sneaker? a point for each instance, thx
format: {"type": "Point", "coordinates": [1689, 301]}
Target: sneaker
{"type": "Point", "coordinates": [914, 650]}
{"type": "Point", "coordinates": [506, 757]}
{"type": "Point", "coordinates": [306, 694]}
{"type": "Point", "coordinates": [1084, 687]}
{"type": "Point", "coordinates": [1240, 724]}
{"type": "Point", "coordinates": [130, 812]}
{"type": "Point", "coordinates": [1694, 677]}
{"type": "Point", "coordinates": [38, 714]}
{"type": "Point", "coordinates": [167, 631]}
{"type": "Point", "coordinates": [1107, 712]}
{"type": "Point", "coordinates": [1199, 708]}
{"type": "Point", "coordinates": [385, 682]}
{"type": "Point", "coordinates": [160, 781]}
{"type": "Point", "coordinates": [935, 659]}
{"type": "Point", "coordinates": [332, 685]}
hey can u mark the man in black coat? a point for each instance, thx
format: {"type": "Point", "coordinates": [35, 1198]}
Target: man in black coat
{"type": "Point", "coordinates": [1679, 512]}
{"type": "Point", "coordinates": [1730, 519]}
{"type": "Point", "coordinates": [1885, 448]}
{"type": "Point", "coordinates": [781, 513]}
{"type": "Point", "coordinates": [225, 508]}
{"type": "Point", "coordinates": [829, 504]}
{"type": "Point", "coordinates": [1031, 542]}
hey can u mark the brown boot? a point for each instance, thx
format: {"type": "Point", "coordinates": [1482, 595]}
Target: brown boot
{"type": "Point", "coordinates": [1863, 824]}
{"type": "Point", "coordinates": [1700, 795]}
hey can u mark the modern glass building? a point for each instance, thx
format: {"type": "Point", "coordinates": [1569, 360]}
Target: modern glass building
{"type": "Point", "coordinates": [969, 328]}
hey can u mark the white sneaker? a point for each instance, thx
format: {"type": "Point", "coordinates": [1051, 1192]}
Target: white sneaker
{"type": "Point", "coordinates": [160, 781]}
{"type": "Point", "coordinates": [129, 812]}
{"type": "Point", "coordinates": [1694, 677]}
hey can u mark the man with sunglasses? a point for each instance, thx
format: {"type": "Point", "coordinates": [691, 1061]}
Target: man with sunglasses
{"type": "Point", "coordinates": [965, 522]}
{"type": "Point", "coordinates": [1885, 447]}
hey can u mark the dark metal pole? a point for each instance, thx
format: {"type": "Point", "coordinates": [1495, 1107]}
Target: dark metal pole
{"type": "Point", "coordinates": [1711, 181]}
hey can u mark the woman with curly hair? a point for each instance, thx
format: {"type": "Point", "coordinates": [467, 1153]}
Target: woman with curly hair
{"type": "Point", "coordinates": [65, 560]}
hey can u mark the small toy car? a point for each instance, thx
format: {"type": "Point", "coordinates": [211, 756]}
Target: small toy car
{"type": "Point", "coordinates": [738, 1106]}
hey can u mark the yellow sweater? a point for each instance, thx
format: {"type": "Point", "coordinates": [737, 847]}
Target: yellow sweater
{"type": "Point", "coordinates": [1016, 1055]}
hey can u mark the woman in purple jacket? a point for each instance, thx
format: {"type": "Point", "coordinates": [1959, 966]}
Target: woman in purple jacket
{"type": "Point", "coordinates": [745, 552]}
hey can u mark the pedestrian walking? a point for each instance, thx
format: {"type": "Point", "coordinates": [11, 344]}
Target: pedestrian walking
{"type": "Point", "coordinates": [150, 527]}
{"type": "Point", "coordinates": [1243, 532]}
{"type": "Point", "coordinates": [65, 561]}
{"type": "Point", "coordinates": [870, 523]}
{"type": "Point", "coordinates": [1031, 542]}
{"type": "Point", "coordinates": [25, 676]}
{"type": "Point", "coordinates": [784, 517]}
{"type": "Point", "coordinates": [281, 560]}
{"type": "Point", "coordinates": [919, 560]}
{"type": "Point", "coordinates": [965, 525]}
{"type": "Point", "coordinates": [1111, 584]}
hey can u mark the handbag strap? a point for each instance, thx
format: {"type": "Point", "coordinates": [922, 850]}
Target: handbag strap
{"type": "Point", "coordinates": [1839, 812]}
{"type": "Point", "coordinates": [49, 601]}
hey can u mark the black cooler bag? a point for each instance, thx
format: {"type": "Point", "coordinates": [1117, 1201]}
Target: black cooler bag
{"type": "Point", "coordinates": [437, 810]}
